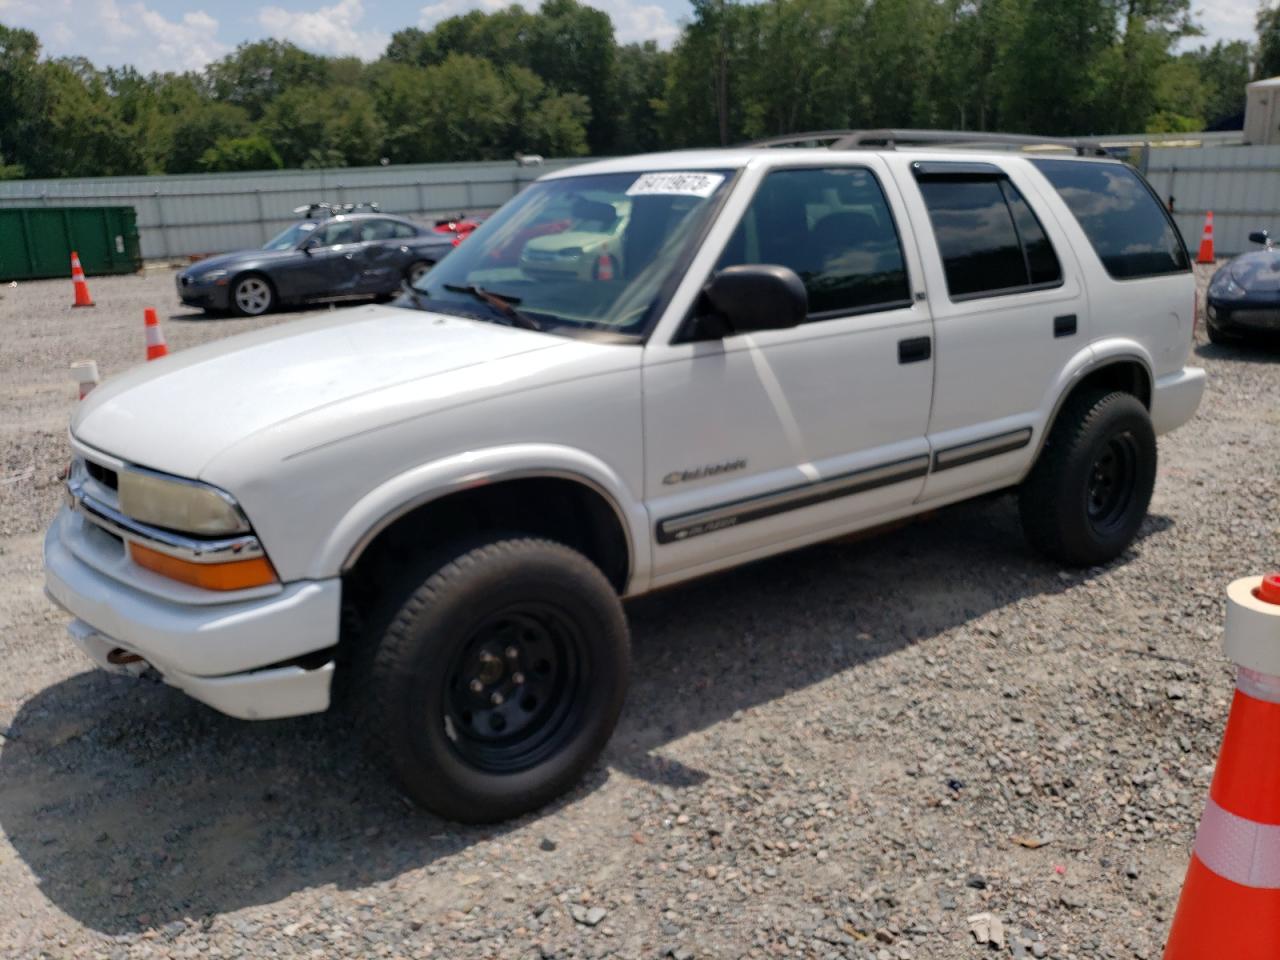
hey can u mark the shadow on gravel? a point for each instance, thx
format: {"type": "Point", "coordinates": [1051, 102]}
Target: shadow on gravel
{"type": "Point", "coordinates": [134, 806]}
{"type": "Point", "coordinates": [1255, 350]}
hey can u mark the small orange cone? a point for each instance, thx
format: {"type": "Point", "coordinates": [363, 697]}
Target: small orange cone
{"type": "Point", "coordinates": [156, 347]}
{"type": "Point", "coordinates": [1206, 240]}
{"type": "Point", "coordinates": [1230, 903]}
{"type": "Point", "coordinates": [604, 268]}
{"type": "Point", "coordinates": [77, 277]}
{"type": "Point", "coordinates": [85, 373]}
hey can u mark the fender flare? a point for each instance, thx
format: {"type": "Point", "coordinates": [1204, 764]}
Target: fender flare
{"type": "Point", "coordinates": [385, 504]}
{"type": "Point", "coordinates": [1097, 356]}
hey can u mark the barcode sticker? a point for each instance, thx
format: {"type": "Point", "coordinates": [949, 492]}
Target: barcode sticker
{"type": "Point", "coordinates": [676, 184]}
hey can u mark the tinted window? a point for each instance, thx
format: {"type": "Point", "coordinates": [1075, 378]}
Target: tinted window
{"type": "Point", "coordinates": [990, 240]}
{"type": "Point", "coordinates": [1128, 228]}
{"type": "Point", "coordinates": [377, 229]}
{"type": "Point", "coordinates": [342, 231]}
{"type": "Point", "coordinates": [834, 229]}
{"type": "Point", "coordinates": [402, 230]}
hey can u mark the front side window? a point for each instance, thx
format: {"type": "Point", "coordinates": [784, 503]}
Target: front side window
{"type": "Point", "coordinates": [1130, 230]}
{"type": "Point", "coordinates": [290, 237]}
{"type": "Point", "coordinates": [990, 240]}
{"type": "Point", "coordinates": [590, 252]}
{"type": "Point", "coordinates": [833, 228]}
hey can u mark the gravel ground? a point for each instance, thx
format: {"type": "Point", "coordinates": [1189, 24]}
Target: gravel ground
{"type": "Point", "coordinates": [845, 752]}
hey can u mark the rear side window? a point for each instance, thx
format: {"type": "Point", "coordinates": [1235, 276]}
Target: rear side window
{"type": "Point", "coordinates": [990, 240]}
{"type": "Point", "coordinates": [833, 227]}
{"type": "Point", "coordinates": [1128, 227]}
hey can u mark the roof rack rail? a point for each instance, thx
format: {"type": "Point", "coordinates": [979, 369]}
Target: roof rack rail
{"type": "Point", "coordinates": [327, 209]}
{"type": "Point", "coordinates": [893, 138]}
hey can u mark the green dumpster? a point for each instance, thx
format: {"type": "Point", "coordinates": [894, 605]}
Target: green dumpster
{"type": "Point", "coordinates": [37, 241]}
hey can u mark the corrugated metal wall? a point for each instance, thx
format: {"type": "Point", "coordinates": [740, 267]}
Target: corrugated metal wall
{"type": "Point", "coordinates": [1241, 185]}
{"type": "Point", "coordinates": [209, 213]}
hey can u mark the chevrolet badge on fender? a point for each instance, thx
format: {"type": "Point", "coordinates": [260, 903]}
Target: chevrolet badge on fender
{"type": "Point", "coordinates": [711, 470]}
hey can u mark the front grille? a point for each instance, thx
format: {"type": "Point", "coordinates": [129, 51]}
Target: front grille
{"type": "Point", "coordinates": [104, 475]}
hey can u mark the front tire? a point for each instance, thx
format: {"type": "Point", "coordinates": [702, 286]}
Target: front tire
{"type": "Point", "coordinates": [499, 680]}
{"type": "Point", "coordinates": [1086, 496]}
{"type": "Point", "coordinates": [416, 271]}
{"type": "Point", "coordinates": [252, 295]}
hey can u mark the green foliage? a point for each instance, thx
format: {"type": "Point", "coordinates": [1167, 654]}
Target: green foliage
{"type": "Point", "coordinates": [553, 80]}
{"type": "Point", "coordinates": [253, 152]}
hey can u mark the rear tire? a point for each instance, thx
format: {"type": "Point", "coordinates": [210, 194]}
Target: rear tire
{"type": "Point", "coordinates": [1086, 496]}
{"type": "Point", "coordinates": [499, 680]}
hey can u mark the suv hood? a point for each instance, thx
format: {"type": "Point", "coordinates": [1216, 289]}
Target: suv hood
{"type": "Point", "coordinates": [178, 413]}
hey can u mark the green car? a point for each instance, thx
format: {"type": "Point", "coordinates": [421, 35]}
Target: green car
{"type": "Point", "coordinates": [590, 249]}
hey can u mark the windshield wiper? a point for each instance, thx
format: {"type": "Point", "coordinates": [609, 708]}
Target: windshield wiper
{"type": "Point", "coordinates": [417, 297]}
{"type": "Point", "coordinates": [505, 305]}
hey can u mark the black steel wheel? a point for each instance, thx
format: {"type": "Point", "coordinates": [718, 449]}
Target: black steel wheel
{"type": "Point", "coordinates": [499, 680]}
{"type": "Point", "coordinates": [1088, 492]}
{"type": "Point", "coordinates": [517, 687]}
{"type": "Point", "coordinates": [1112, 480]}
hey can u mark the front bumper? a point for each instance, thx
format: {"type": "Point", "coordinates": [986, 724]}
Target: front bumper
{"type": "Point", "coordinates": [1175, 398]}
{"type": "Point", "coordinates": [208, 296]}
{"type": "Point", "coordinates": [233, 655]}
{"type": "Point", "coordinates": [1244, 316]}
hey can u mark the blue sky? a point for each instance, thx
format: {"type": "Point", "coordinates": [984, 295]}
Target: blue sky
{"type": "Point", "coordinates": [187, 34]}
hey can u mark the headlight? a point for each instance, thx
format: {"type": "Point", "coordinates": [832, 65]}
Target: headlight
{"type": "Point", "coordinates": [1224, 285]}
{"type": "Point", "coordinates": [174, 504]}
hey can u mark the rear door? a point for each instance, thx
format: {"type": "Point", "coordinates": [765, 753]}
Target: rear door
{"type": "Point", "coordinates": [1009, 313]}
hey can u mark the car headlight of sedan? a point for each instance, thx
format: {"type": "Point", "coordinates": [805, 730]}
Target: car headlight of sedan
{"type": "Point", "coordinates": [175, 504]}
{"type": "Point", "coordinates": [1225, 286]}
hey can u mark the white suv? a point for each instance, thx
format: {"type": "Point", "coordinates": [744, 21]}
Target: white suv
{"type": "Point", "coordinates": [437, 506]}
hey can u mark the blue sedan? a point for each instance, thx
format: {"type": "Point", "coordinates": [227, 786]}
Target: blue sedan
{"type": "Point", "coordinates": [1244, 295]}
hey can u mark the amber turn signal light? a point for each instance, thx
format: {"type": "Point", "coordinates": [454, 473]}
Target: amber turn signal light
{"type": "Point", "coordinates": [233, 575]}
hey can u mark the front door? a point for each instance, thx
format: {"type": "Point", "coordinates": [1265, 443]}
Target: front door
{"type": "Point", "coordinates": [756, 442]}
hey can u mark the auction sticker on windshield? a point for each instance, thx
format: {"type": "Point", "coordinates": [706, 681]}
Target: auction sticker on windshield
{"type": "Point", "coordinates": [676, 184]}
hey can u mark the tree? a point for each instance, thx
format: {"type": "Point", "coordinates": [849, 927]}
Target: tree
{"type": "Point", "coordinates": [197, 130]}
{"type": "Point", "coordinates": [1268, 24]}
{"type": "Point", "coordinates": [257, 73]}
{"type": "Point", "coordinates": [1224, 71]}
{"type": "Point", "coordinates": [253, 152]}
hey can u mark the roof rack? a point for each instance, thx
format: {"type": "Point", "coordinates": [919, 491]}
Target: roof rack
{"type": "Point", "coordinates": [327, 209]}
{"type": "Point", "coordinates": [891, 139]}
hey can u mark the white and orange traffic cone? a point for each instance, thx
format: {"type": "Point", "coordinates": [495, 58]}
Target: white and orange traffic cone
{"type": "Point", "coordinates": [156, 347]}
{"type": "Point", "coordinates": [1230, 903]}
{"type": "Point", "coordinates": [604, 268]}
{"type": "Point", "coordinates": [1206, 240]}
{"type": "Point", "coordinates": [85, 373]}
{"type": "Point", "coordinates": [77, 278]}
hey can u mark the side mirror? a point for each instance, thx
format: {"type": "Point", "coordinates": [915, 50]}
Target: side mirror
{"type": "Point", "coordinates": [1260, 236]}
{"type": "Point", "coordinates": [757, 296]}
{"type": "Point", "coordinates": [309, 244]}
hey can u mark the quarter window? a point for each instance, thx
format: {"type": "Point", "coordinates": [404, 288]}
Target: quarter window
{"type": "Point", "coordinates": [1130, 230]}
{"type": "Point", "coordinates": [833, 228]}
{"type": "Point", "coordinates": [989, 238]}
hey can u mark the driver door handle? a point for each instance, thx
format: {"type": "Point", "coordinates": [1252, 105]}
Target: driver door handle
{"type": "Point", "coordinates": [914, 349]}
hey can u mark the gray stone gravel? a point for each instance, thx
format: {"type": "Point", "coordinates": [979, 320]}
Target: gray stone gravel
{"type": "Point", "coordinates": [846, 752]}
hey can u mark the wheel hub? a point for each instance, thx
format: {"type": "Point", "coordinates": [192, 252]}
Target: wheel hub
{"type": "Point", "coordinates": [1112, 479]}
{"type": "Point", "coordinates": [515, 681]}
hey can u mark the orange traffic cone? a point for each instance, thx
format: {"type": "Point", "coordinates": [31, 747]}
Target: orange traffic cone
{"type": "Point", "coordinates": [1230, 903]}
{"type": "Point", "coordinates": [77, 277]}
{"type": "Point", "coordinates": [156, 347]}
{"type": "Point", "coordinates": [604, 268]}
{"type": "Point", "coordinates": [1206, 240]}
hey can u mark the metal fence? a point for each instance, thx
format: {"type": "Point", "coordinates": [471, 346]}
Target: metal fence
{"type": "Point", "coordinates": [1241, 185]}
{"type": "Point", "coordinates": [208, 213]}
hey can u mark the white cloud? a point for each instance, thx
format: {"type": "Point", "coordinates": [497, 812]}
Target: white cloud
{"type": "Point", "coordinates": [632, 21]}
{"type": "Point", "coordinates": [1223, 20]}
{"type": "Point", "coordinates": [433, 13]}
{"type": "Point", "coordinates": [331, 29]}
{"type": "Point", "coordinates": [120, 33]}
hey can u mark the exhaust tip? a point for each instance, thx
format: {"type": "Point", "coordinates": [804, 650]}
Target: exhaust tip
{"type": "Point", "coordinates": [121, 657]}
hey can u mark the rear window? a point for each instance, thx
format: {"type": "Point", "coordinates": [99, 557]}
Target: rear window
{"type": "Point", "coordinates": [1128, 227]}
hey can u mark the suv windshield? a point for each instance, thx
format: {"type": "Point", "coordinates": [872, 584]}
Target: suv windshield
{"type": "Point", "coordinates": [291, 237]}
{"type": "Point", "coordinates": [578, 253]}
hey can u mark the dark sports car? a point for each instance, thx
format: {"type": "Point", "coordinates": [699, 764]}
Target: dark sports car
{"type": "Point", "coordinates": [1244, 295]}
{"type": "Point", "coordinates": [348, 255]}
